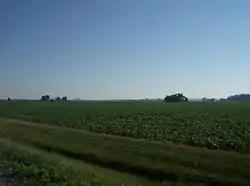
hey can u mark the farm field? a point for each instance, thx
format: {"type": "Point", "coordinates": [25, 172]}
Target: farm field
{"type": "Point", "coordinates": [219, 125]}
{"type": "Point", "coordinates": [130, 143]}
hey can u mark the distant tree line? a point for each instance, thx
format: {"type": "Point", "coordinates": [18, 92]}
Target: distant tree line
{"type": "Point", "coordinates": [48, 98]}
{"type": "Point", "coordinates": [176, 98]}
{"type": "Point", "coordinates": [240, 97]}
{"type": "Point", "coordinates": [207, 99]}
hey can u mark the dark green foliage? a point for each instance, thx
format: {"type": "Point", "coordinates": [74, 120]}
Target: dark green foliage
{"type": "Point", "coordinates": [241, 97]}
{"type": "Point", "coordinates": [176, 98]}
{"type": "Point", "coordinates": [45, 98]}
{"type": "Point", "coordinates": [58, 99]}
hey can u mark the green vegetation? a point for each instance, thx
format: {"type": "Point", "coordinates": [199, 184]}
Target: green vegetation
{"type": "Point", "coordinates": [21, 167]}
{"type": "Point", "coordinates": [176, 98]}
{"type": "Point", "coordinates": [23, 164]}
{"type": "Point", "coordinates": [158, 162]}
{"type": "Point", "coordinates": [222, 125]}
{"type": "Point", "coordinates": [76, 133]}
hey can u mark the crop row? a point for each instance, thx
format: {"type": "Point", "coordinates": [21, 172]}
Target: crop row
{"type": "Point", "coordinates": [211, 125]}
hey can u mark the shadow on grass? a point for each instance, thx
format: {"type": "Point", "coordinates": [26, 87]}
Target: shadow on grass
{"type": "Point", "coordinates": [151, 174]}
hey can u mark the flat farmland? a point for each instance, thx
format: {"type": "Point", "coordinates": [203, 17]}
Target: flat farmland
{"type": "Point", "coordinates": [125, 143]}
{"type": "Point", "coordinates": [219, 125]}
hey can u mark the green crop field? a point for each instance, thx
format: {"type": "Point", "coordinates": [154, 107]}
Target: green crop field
{"type": "Point", "coordinates": [212, 125]}
{"type": "Point", "coordinates": [148, 143]}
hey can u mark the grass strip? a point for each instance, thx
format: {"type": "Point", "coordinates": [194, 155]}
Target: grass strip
{"type": "Point", "coordinates": [154, 160]}
{"type": "Point", "coordinates": [21, 167]}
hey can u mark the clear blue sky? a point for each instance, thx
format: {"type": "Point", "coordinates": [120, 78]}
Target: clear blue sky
{"type": "Point", "coordinates": [112, 49]}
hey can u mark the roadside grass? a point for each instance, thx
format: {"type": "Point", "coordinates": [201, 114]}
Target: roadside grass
{"type": "Point", "coordinates": [22, 165]}
{"type": "Point", "coordinates": [159, 163]}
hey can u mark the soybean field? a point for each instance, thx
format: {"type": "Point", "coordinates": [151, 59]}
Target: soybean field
{"type": "Point", "coordinates": [220, 125]}
{"type": "Point", "coordinates": [125, 143]}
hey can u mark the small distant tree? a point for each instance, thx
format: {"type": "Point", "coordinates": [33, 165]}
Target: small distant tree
{"type": "Point", "coordinates": [9, 99]}
{"type": "Point", "coordinates": [45, 98]}
{"type": "Point", "coordinates": [58, 99]}
{"type": "Point", "coordinates": [65, 98]}
{"type": "Point", "coordinates": [204, 99]}
{"type": "Point", "coordinates": [176, 98]}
